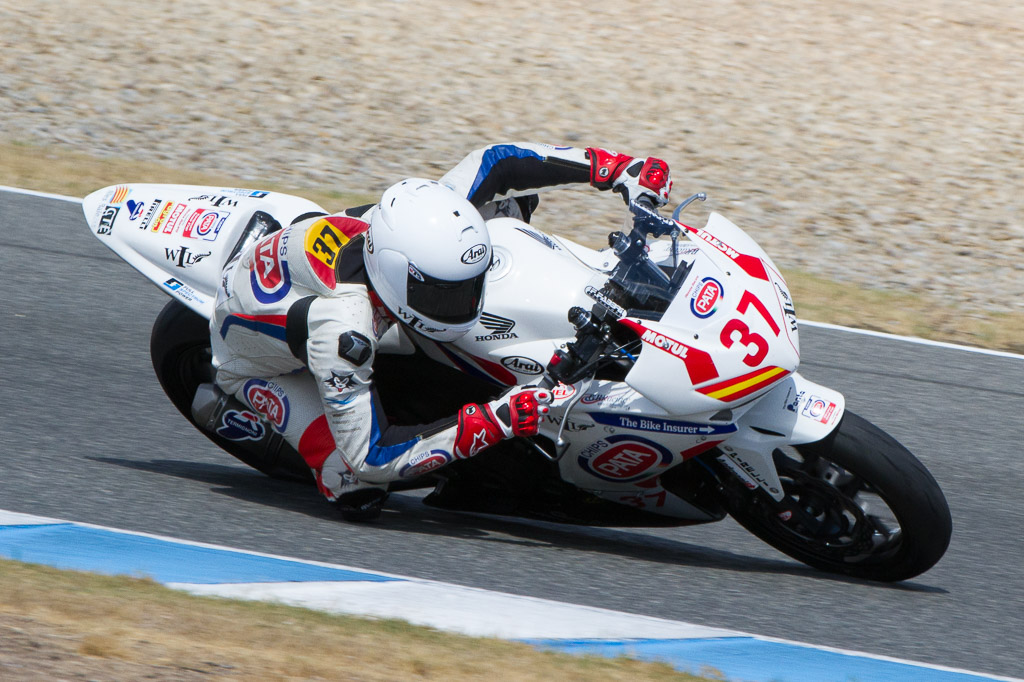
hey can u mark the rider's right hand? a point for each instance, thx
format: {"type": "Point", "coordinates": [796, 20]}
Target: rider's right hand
{"type": "Point", "coordinates": [517, 413]}
{"type": "Point", "coordinates": [635, 179]}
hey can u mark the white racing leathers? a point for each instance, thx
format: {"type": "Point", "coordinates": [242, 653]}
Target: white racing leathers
{"type": "Point", "coordinates": [296, 345]}
{"type": "Point", "coordinates": [295, 332]}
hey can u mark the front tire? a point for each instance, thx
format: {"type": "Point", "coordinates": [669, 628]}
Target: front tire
{"type": "Point", "coordinates": [857, 503]}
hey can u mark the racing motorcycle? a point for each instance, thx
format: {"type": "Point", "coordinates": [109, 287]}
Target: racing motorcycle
{"type": "Point", "coordinates": [672, 356]}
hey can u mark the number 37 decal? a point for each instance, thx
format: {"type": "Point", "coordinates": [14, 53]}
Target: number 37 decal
{"type": "Point", "coordinates": [737, 330]}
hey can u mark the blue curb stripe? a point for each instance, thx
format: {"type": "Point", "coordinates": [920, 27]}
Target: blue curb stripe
{"type": "Point", "coordinates": [91, 549]}
{"type": "Point", "coordinates": [756, 660]}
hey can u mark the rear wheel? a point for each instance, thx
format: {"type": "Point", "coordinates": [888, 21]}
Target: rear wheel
{"type": "Point", "coordinates": [180, 349]}
{"type": "Point", "coordinates": [856, 503]}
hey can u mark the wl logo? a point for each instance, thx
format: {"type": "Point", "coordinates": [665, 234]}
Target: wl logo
{"type": "Point", "coordinates": [183, 258]}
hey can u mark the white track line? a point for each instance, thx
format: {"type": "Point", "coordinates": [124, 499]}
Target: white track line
{"type": "Point", "coordinates": [45, 195]}
{"type": "Point", "coordinates": [912, 339]}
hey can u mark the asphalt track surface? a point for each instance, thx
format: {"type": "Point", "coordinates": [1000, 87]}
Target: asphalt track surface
{"type": "Point", "coordinates": [88, 436]}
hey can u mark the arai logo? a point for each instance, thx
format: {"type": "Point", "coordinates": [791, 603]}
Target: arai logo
{"type": "Point", "coordinates": [474, 254]}
{"type": "Point", "coordinates": [518, 363]}
{"type": "Point", "coordinates": [705, 301]}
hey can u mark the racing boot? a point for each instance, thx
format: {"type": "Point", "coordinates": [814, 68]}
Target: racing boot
{"type": "Point", "coordinates": [361, 505]}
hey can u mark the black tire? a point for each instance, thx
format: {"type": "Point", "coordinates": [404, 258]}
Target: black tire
{"type": "Point", "coordinates": [179, 347]}
{"type": "Point", "coordinates": [835, 490]}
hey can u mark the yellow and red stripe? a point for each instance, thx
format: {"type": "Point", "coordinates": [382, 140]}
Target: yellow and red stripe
{"type": "Point", "coordinates": [742, 386]}
{"type": "Point", "coordinates": [120, 194]}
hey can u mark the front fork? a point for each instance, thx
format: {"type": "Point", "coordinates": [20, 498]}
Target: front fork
{"type": "Point", "coordinates": [794, 412]}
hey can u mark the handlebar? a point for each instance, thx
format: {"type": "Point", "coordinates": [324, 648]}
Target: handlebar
{"type": "Point", "coordinates": [635, 274]}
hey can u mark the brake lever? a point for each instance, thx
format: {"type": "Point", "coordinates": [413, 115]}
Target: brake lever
{"type": "Point", "coordinates": [562, 445]}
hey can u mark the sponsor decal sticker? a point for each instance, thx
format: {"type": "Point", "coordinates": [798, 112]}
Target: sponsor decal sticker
{"type": "Point", "coordinates": [162, 215]}
{"type": "Point", "coordinates": [624, 458]}
{"type": "Point", "coordinates": [522, 365]}
{"type": "Point", "coordinates": [752, 265]}
{"type": "Point", "coordinates": [602, 298]}
{"type": "Point", "coordinates": [323, 245]}
{"type": "Point", "coordinates": [705, 302]}
{"type": "Point", "coordinates": [209, 225]}
{"type": "Point", "coordinates": [238, 426]}
{"type": "Point", "coordinates": [424, 463]}
{"type": "Point", "coordinates": [135, 209]}
{"type": "Point", "coordinates": [338, 381]}
{"type": "Point", "coordinates": [106, 225]}
{"type": "Point", "coordinates": [570, 424]}
{"type": "Point", "coordinates": [612, 397]}
{"type": "Point", "coordinates": [182, 257]}
{"type": "Point", "coordinates": [172, 221]}
{"type": "Point", "coordinates": [563, 391]}
{"type": "Point", "coordinates": [269, 275]}
{"type": "Point", "coordinates": [794, 404]}
{"type": "Point", "coordinates": [153, 207]}
{"type": "Point", "coordinates": [500, 328]}
{"type": "Point", "coordinates": [190, 223]}
{"type": "Point", "coordinates": [215, 200]}
{"type": "Point", "coordinates": [819, 409]}
{"type": "Point", "coordinates": [474, 254]}
{"type": "Point", "coordinates": [119, 195]}
{"type": "Point", "coordinates": [269, 401]}
{"type": "Point", "coordinates": [182, 291]}
{"type": "Point", "coordinates": [670, 426]}
{"type": "Point", "coordinates": [699, 365]}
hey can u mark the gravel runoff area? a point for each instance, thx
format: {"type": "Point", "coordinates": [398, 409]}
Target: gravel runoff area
{"type": "Point", "coordinates": [878, 142]}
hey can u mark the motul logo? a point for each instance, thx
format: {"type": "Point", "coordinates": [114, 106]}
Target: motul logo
{"type": "Point", "coordinates": [718, 244]}
{"type": "Point", "coordinates": [665, 343]}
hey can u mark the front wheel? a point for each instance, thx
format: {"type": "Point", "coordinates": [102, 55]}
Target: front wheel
{"type": "Point", "coordinates": [857, 503]}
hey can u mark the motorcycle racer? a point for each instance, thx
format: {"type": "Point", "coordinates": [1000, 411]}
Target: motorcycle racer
{"type": "Point", "coordinates": [299, 314]}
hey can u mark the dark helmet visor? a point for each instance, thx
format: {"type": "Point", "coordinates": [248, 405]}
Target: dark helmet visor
{"type": "Point", "coordinates": [443, 300]}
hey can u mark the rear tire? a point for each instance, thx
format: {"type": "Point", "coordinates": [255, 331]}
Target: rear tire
{"type": "Point", "coordinates": [180, 349]}
{"type": "Point", "coordinates": [857, 503]}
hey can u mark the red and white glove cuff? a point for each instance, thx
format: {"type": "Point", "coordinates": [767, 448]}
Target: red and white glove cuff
{"type": "Point", "coordinates": [478, 429]}
{"type": "Point", "coordinates": [606, 166]}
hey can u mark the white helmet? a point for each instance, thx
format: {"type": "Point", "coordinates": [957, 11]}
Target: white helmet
{"type": "Point", "coordinates": [427, 252]}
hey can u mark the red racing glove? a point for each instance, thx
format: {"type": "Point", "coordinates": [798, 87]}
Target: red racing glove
{"type": "Point", "coordinates": [517, 413]}
{"type": "Point", "coordinates": [631, 177]}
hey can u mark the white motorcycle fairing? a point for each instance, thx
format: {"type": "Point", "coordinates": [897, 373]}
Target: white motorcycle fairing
{"type": "Point", "coordinates": [181, 236]}
{"type": "Point", "coordinates": [716, 370]}
{"type": "Point", "coordinates": [732, 384]}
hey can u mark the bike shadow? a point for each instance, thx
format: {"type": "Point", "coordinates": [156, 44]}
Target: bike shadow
{"type": "Point", "coordinates": [405, 514]}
